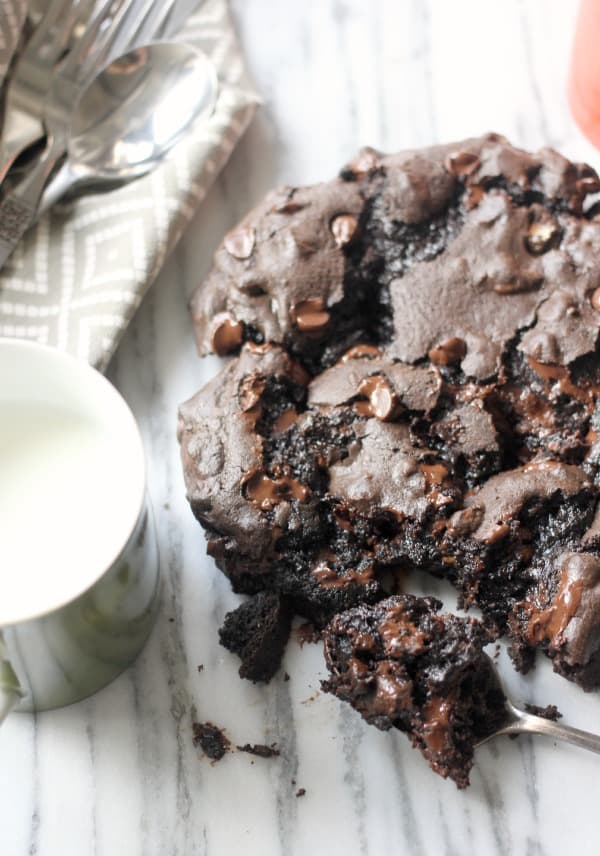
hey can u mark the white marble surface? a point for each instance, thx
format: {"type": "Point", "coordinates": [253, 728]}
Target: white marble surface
{"type": "Point", "coordinates": [118, 774]}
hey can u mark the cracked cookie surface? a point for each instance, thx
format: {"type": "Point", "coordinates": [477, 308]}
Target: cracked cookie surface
{"type": "Point", "coordinates": [416, 386]}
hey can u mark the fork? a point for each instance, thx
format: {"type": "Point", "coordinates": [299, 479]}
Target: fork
{"type": "Point", "coordinates": [55, 30]}
{"type": "Point", "coordinates": [517, 721]}
{"type": "Point", "coordinates": [510, 719]}
{"type": "Point", "coordinates": [18, 209]}
{"type": "Point", "coordinates": [30, 80]}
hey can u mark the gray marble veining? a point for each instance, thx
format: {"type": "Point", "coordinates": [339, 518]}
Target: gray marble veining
{"type": "Point", "coordinates": [118, 774]}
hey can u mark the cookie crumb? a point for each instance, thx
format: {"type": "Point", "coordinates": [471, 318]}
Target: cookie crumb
{"type": "Point", "coordinates": [300, 792]}
{"type": "Point", "coordinates": [550, 712]}
{"type": "Point", "coordinates": [211, 739]}
{"type": "Point", "coordinates": [260, 749]}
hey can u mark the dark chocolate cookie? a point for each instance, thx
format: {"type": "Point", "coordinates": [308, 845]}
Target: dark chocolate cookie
{"type": "Point", "coordinates": [417, 387]}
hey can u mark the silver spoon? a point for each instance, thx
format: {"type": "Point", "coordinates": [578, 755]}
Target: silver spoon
{"type": "Point", "coordinates": [517, 721]}
{"type": "Point", "coordinates": [132, 114]}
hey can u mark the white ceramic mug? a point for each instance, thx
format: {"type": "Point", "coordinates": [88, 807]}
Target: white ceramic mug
{"type": "Point", "coordinates": [79, 575]}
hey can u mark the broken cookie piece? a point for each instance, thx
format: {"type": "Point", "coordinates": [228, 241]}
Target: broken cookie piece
{"type": "Point", "coordinates": [401, 664]}
{"type": "Point", "coordinates": [257, 631]}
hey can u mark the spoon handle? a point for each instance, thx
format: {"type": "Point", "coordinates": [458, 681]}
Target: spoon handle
{"type": "Point", "coordinates": [18, 208]}
{"type": "Point", "coordinates": [60, 183]}
{"type": "Point", "coordinates": [527, 723]}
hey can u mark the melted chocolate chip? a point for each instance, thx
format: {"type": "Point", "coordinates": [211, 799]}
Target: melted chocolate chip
{"type": "Point", "coordinates": [359, 351]}
{"type": "Point", "coordinates": [266, 492]}
{"type": "Point", "coordinates": [228, 334]}
{"type": "Point", "coordinates": [251, 390]}
{"type": "Point", "coordinates": [343, 228]}
{"type": "Point", "coordinates": [588, 181]}
{"type": "Point", "coordinates": [310, 316]}
{"type": "Point", "coordinates": [449, 353]}
{"type": "Point", "coordinates": [541, 236]}
{"type": "Point", "coordinates": [518, 285]}
{"type": "Point", "coordinates": [383, 401]}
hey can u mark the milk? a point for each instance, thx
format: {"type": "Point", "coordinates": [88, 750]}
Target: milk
{"type": "Point", "coordinates": [64, 501]}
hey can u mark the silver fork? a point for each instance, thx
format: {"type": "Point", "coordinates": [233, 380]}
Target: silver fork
{"type": "Point", "coordinates": [510, 719]}
{"type": "Point", "coordinates": [517, 721]}
{"type": "Point", "coordinates": [30, 80]}
{"type": "Point", "coordinates": [18, 209]}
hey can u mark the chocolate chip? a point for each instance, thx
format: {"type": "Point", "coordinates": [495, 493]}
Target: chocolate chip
{"type": "Point", "coordinates": [250, 391]}
{"type": "Point", "coordinates": [595, 299]}
{"type": "Point", "coordinates": [449, 353]}
{"type": "Point", "coordinates": [239, 243]}
{"type": "Point", "coordinates": [266, 492]}
{"type": "Point", "coordinates": [589, 184]}
{"type": "Point", "coordinates": [587, 181]}
{"type": "Point", "coordinates": [285, 420]}
{"type": "Point", "coordinates": [343, 228]}
{"type": "Point", "coordinates": [310, 316]}
{"type": "Point", "coordinates": [228, 334]}
{"type": "Point", "coordinates": [461, 163]}
{"type": "Point", "coordinates": [383, 402]}
{"type": "Point", "coordinates": [541, 236]}
{"type": "Point", "coordinates": [358, 352]}
{"type": "Point", "coordinates": [434, 473]}
{"type": "Point", "coordinates": [519, 285]}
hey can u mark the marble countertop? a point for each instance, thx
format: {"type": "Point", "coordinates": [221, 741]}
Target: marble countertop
{"type": "Point", "coordinates": [118, 774]}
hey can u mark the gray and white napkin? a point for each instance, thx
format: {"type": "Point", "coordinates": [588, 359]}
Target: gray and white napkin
{"type": "Point", "coordinates": [78, 277]}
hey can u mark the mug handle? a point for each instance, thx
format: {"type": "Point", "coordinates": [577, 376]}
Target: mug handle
{"type": "Point", "coordinates": [10, 688]}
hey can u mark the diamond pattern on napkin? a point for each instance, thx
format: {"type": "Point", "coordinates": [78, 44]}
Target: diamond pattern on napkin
{"type": "Point", "coordinates": [77, 279]}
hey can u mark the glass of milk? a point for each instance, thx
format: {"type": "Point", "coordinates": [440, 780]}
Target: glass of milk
{"type": "Point", "coordinates": [79, 572]}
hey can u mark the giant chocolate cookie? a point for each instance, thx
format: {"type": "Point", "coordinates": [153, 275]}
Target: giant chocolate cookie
{"type": "Point", "coordinates": [417, 387]}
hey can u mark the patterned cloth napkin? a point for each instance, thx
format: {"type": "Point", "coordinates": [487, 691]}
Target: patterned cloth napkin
{"type": "Point", "coordinates": [77, 278]}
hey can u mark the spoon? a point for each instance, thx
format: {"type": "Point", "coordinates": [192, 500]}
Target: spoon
{"type": "Point", "coordinates": [517, 721]}
{"type": "Point", "coordinates": [132, 114]}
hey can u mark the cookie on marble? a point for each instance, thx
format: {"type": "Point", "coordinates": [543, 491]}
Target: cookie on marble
{"type": "Point", "coordinates": [416, 387]}
{"type": "Point", "coordinates": [402, 664]}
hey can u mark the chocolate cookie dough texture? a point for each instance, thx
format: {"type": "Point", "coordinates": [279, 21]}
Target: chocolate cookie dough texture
{"type": "Point", "coordinates": [416, 386]}
{"type": "Point", "coordinates": [401, 664]}
{"type": "Point", "coordinates": [462, 245]}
